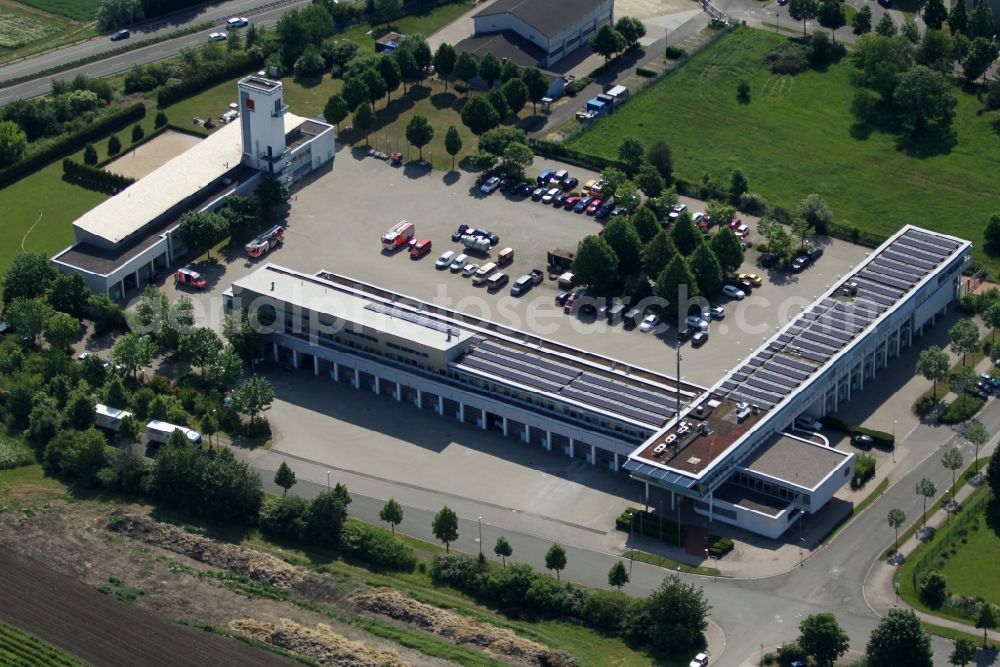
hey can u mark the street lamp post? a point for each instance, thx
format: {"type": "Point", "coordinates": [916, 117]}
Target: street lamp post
{"type": "Point", "coordinates": [894, 440]}
{"type": "Point", "coordinates": [480, 536]}
{"type": "Point", "coordinates": [777, 24]}
{"type": "Point", "coordinates": [327, 480]}
{"type": "Point", "coordinates": [895, 585]}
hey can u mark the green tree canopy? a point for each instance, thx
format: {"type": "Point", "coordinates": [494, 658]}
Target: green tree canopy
{"type": "Point", "coordinates": [632, 153]}
{"type": "Point", "coordinates": [803, 10]}
{"type": "Point", "coordinates": [503, 549]}
{"type": "Point", "coordinates": [28, 276]}
{"type": "Point", "coordinates": [284, 477]}
{"type": "Point", "coordinates": [444, 62]}
{"type": "Point", "coordinates": [728, 249]}
{"type": "Point", "coordinates": [646, 224]}
{"type": "Point", "coordinates": [445, 527]}
{"type": "Point", "coordinates": [686, 235]}
{"type": "Point", "coordinates": [678, 616]}
{"type": "Point", "coordinates": [607, 42]}
{"type": "Point", "coordinates": [479, 115]}
{"type": "Point", "coordinates": [896, 518]}
{"type": "Point", "coordinates": [707, 272]}
{"type": "Point", "coordinates": [452, 143]}
{"type": "Point", "coordinates": [658, 253]}
{"type": "Point", "coordinates": [964, 337]}
{"type": "Point", "coordinates": [981, 54]}
{"type": "Point", "coordinates": [466, 67]}
{"type": "Point", "coordinates": [958, 19]}
{"type": "Point", "coordinates": [618, 575]}
{"type": "Point", "coordinates": [596, 264]}
{"type": "Point", "coordinates": [28, 317]}
{"type": "Point", "coordinates": [517, 158]}
{"type": "Point", "coordinates": [489, 69]}
{"type": "Point", "coordinates": [392, 513]}
{"type": "Point", "coordinates": [555, 559]}
{"type": "Point", "coordinates": [324, 520]}
{"type": "Point", "coordinates": [934, 14]}
{"type": "Point", "coordinates": [631, 29]}
{"type": "Point", "coordinates": [201, 347]}
{"type": "Point", "coordinates": [624, 240]}
{"type": "Point", "coordinates": [13, 142]}
{"type": "Point", "coordinates": [822, 637]}
{"type": "Point", "coordinates": [253, 397]}
{"type": "Point", "coordinates": [964, 652]}
{"type": "Point", "coordinates": [538, 86]}
{"type": "Point", "coordinates": [886, 27]}
{"type": "Point", "coordinates": [516, 94]}
{"type": "Point", "coordinates": [392, 75]}
{"type": "Point", "coordinates": [934, 365]}
{"type": "Point", "coordinates": [364, 119]}
{"type": "Point", "coordinates": [862, 21]}
{"type": "Point", "coordinates": [60, 330]}
{"type": "Point", "coordinates": [831, 16]}
{"type": "Point", "coordinates": [498, 102]}
{"type": "Point", "coordinates": [925, 102]}
{"type": "Point", "coordinates": [419, 133]}
{"type": "Point", "coordinates": [675, 285]}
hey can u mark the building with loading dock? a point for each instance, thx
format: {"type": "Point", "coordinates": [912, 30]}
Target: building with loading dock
{"type": "Point", "coordinates": [731, 450]}
{"type": "Point", "coordinates": [124, 241]}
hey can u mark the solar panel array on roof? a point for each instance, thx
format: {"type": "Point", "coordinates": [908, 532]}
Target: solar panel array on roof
{"type": "Point", "coordinates": [828, 326]}
{"type": "Point", "coordinates": [646, 405]}
{"type": "Point", "coordinates": [412, 317]}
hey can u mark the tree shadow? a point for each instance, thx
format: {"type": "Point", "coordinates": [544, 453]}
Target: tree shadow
{"type": "Point", "coordinates": [451, 177]}
{"type": "Point", "coordinates": [532, 123]}
{"type": "Point", "coordinates": [443, 100]}
{"type": "Point", "coordinates": [309, 81]}
{"type": "Point", "coordinates": [928, 144]}
{"type": "Point", "coordinates": [861, 130]}
{"type": "Point", "coordinates": [996, 125]}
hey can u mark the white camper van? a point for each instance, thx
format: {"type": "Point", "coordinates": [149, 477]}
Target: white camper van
{"type": "Point", "coordinates": [108, 417]}
{"type": "Point", "coordinates": [160, 432]}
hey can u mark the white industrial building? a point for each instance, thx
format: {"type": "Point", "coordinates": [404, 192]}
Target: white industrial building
{"type": "Point", "coordinates": [732, 450]}
{"type": "Point", "coordinates": [125, 240]}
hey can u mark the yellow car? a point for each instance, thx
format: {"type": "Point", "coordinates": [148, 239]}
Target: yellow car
{"type": "Point", "coordinates": [589, 184]}
{"type": "Point", "coordinates": [751, 278]}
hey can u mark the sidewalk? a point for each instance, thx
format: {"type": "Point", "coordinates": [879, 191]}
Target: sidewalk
{"type": "Point", "coordinates": [880, 593]}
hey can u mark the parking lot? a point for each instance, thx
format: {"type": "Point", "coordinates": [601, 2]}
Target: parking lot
{"type": "Point", "coordinates": [337, 221]}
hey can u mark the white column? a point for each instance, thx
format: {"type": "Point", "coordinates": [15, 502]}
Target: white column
{"type": "Point", "coordinates": [377, 386]}
{"type": "Point", "coordinates": [315, 365]}
{"type": "Point", "coordinates": [336, 372]}
{"type": "Point", "coordinates": [274, 350]}
{"type": "Point", "coordinates": [548, 440]}
{"type": "Point", "coordinates": [461, 412]}
{"type": "Point", "coordinates": [526, 436]}
{"type": "Point", "coordinates": [614, 464]}
{"type": "Point", "coordinates": [398, 394]}
{"type": "Point", "coordinates": [593, 455]}
{"type": "Point", "coordinates": [420, 399]}
{"type": "Point", "coordinates": [504, 425]}
{"type": "Point", "coordinates": [357, 379]}
{"type": "Point", "coordinates": [482, 423]}
{"type": "Point", "coordinates": [572, 448]}
{"type": "Point", "coordinates": [440, 408]}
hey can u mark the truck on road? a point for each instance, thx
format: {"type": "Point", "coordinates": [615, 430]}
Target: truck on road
{"type": "Point", "coordinates": [267, 241]}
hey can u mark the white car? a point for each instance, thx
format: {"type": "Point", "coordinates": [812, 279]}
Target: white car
{"type": "Point", "coordinates": [649, 323]}
{"type": "Point", "coordinates": [697, 322]}
{"type": "Point", "coordinates": [444, 260]}
{"type": "Point", "coordinates": [491, 184]}
{"type": "Point", "coordinates": [677, 210]}
{"type": "Point", "coordinates": [547, 197]}
{"type": "Point", "coordinates": [459, 263]}
{"type": "Point", "coordinates": [698, 217]}
{"type": "Point", "coordinates": [236, 22]}
{"type": "Point", "coordinates": [742, 231]}
{"type": "Point", "coordinates": [733, 292]}
{"type": "Point", "coordinates": [218, 36]}
{"type": "Point", "coordinates": [807, 423]}
{"type": "Point", "coordinates": [469, 269]}
{"type": "Point", "coordinates": [700, 660]}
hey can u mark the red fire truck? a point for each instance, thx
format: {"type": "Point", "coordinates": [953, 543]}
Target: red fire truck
{"type": "Point", "coordinates": [260, 246]}
{"type": "Point", "coordinates": [398, 236]}
{"type": "Point", "coordinates": [189, 277]}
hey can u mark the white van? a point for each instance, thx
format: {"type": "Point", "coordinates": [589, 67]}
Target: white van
{"type": "Point", "coordinates": [160, 432]}
{"type": "Point", "coordinates": [108, 417]}
{"type": "Point", "coordinates": [444, 260]}
{"type": "Point", "coordinates": [484, 272]}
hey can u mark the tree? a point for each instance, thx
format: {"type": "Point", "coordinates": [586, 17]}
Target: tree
{"type": "Point", "coordinates": [982, 52]}
{"type": "Point", "coordinates": [209, 427]}
{"type": "Point", "coordinates": [516, 95]}
{"type": "Point", "coordinates": [925, 102]}
{"type": "Point", "coordinates": [325, 517]}
{"type": "Point", "coordinates": [466, 67]}
{"type": "Point", "coordinates": [114, 390]}
{"type": "Point", "coordinates": [13, 142]}
{"type": "Point", "coordinates": [631, 152]}
{"type": "Point", "coordinates": [200, 229]}
{"type": "Point", "coordinates": [80, 410]}
{"type": "Point", "coordinates": [596, 264]}
{"type": "Point", "coordinates": [386, 10]}
{"type": "Point", "coordinates": [886, 26]}
{"type": "Point", "coordinates": [503, 549]}
{"type": "Point", "coordinates": [987, 618]}
{"type": "Point", "coordinates": [408, 68]}
{"type": "Point", "coordinates": [392, 514]}
{"type": "Point", "coordinates": [607, 42]}
{"type": "Point", "coordinates": [686, 235]}
{"type": "Point", "coordinates": [658, 252]}
{"type": "Point", "coordinates": [992, 232]}
{"type": "Point", "coordinates": [981, 21]}
{"type": "Point", "coordinates": [896, 518]}
{"type": "Point", "coordinates": [419, 133]}
{"type": "Point", "coordinates": [555, 559]}
{"type": "Point", "coordinates": [355, 91]}
{"type": "Point", "coordinates": [899, 639]}
{"type": "Point", "coordinates": [675, 285]}
{"type": "Point", "coordinates": [910, 30]}
{"type": "Point", "coordinates": [60, 330]}
{"type": "Point", "coordinates": [991, 317]}
{"type": "Point", "coordinates": [489, 69]}
{"type": "Point", "coordinates": [618, 575]}
{"type": "Point", "coordinates": [977, 436]}
{"type": "Point", "coordinates": [993, 473]}
{"type": "Point", "coordinates": [538, 86]}
{"type": "Point", "coordinates": [336, 109]}
{"type": "Point", "coordinates": [815, 211]}
{"type": "Point", "coordinates": [452, 143]}
{"type": "Point", "coordinates": [964, 338]}
{"type": "Point", "coordinates": [29, 275]}
{"type": "Point", "coordinates": [728, 249]}
{"type": "Point", "coordinates": [113, 14]}
{"type": "Point", "coordinates": [962, 380]}
{"type": "Point", "coordinates": [624, 240]}
{"type": "Point", "coordinates": [516, 158]}
{"type": "Point", "coordinates": [934, 14]}
{"type": "Point", "coordinates": [677, 615]}
{"type": "Point", "coordinates": [90, 155]}
{"type": "Point", "coordinates": [496, 140]}
{"type": "Point", "coordinates": [284, 477]}
{"type": "Point", "coordinates": [631, 29]}
{"type": "Point", "coordinates": [509, 70]}
{"type": "Point", "coordinates": [497, 100]}
{"type": "Point", "coordinates": [28, 317]}
{"type": "Point", "coordinates": [114, 145]}
{"type": "Point", "coordinates": [232, 491]}
{"type": "Point", "coordinates": [862, 21]}
{"type": "Point", "coordinates": [364, 119]}
{"type": "Point", "coordinates": [649, 180]}
{"type": "Point", "coordinates": [937, 51]}
{"type": "Point", "coordinates": [933, 364]}
{"type": "Point", "coordinates": [934, 589]}
{"type": "Point", "coordinates": [958, 19]}
{"type": "Point", "coordinates": [137, 133]}
{"type": "Point", "coordinates": [627, 196]}
{"type": "Point", "coordinates": [479, 115]}
{"type": "Point", "coordinates": [444, 61]}
{"type": "Point", "coordinates": [132, 352]}
{"type": "Point", "coordinates": [880, 62]}
{"type": "Point", "coordinates": [952, 460]}
{"type": "Point", "coordinates": [68, 293]}
{"type": "Point", "coordinates": [803, 10]}
{"type": "Point", "coordinates": [253, 397]}
{"type": "Point", "coordinates": [738, 185]}
{"type": "Point", "coordinates": [445, 527]}
{"type": "Point", "coordinates": [706, 270]}
{"type": "Point", "coordinates": [927, 489]}
{"type": "Point", "coordinates": [822, 637]}
{"type": "Point", "coordinates": [646, 226]}
{"type": "Point", "coordinates": [965, 648]}
{"type": "Point", "coordinates": [201, 347]}
{"type": "Point", "coordinates": [374, 84]}
{"type": "Point", "coordinates": [831, 16]}
{"type": "Point", "coordinates": [244, 336]}
{"type": "Point", "coordinates": [388, 69]}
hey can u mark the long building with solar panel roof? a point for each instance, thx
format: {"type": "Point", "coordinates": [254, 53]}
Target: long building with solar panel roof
{"type": "Point", "coordinates": [731, 450]}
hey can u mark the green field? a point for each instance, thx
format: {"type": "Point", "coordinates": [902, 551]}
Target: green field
{"type": "Point", "coordinates": [79, 10]}
{"type": "Point", "coordinates": [426, 23]}
{"type": "Point", "coordinates": [793, 139]}
{"type": "Point", "coordinates": [974, 556]}
{"type": "Point", "coordinates": [19, 649]}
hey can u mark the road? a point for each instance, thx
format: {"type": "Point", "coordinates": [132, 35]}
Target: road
{"type": "Point", "coordinates": [751, 612]}
{"type": "Point", "coordinates": [261, 14]}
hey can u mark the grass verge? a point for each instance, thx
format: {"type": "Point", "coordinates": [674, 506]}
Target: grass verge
{"type": "Point", "coordinates": [670, 564]}
{"type": "Point", "coordinates": [29, 486]}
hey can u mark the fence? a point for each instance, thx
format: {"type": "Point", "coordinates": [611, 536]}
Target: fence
{"type": "Point", "coordinates": [955, 528]}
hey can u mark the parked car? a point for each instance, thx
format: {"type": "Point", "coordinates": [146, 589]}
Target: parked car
{"type": "Point", "coordinates": [570, 202]}
{"type": "Point", "coordinates": [604, 210]}
{"type": "Point", "coordinates": [741, 230]}
{"type": "Point", "coordinates": [558, 200]}
{"type": "Point", "coordinates": [697, 322]}
{"type": "Point", "coordinates": [751, 278]}
{"type": "Point", "coordinates": [700, 219]}
{"type": "Point", "coordinates": [486, 234]}
{"type": "Point", "coordinates": [538, 193]}
{"type": "Point", "coordinates": [549, 195]}
{"type": "Point", "coordinates": [699, 339]}
{"type": "Point", "coordinates": [121, 34]}
{"type": "Point", "coordinates": [807, 423]}
{"type": "Point", "coordinates": [457, 235]}
{"type": "Point", "coordinates": [490, 186]}
{"type": "Point", "coordinates": [588, 185]}
{"type": "Point", "coordinates": [469, 269]}
{"type": "Point", "coordinates": [744, 286]}
{"type": "Point", "coordinates": [686, 334]}
{"type": "Point", "coordinates": [621, 210]}
{"type": "Point", "coordinates": [700, 660]}
{"type": "Point", "coordinates": [582, 205]}
{"type": "Point", "coordinates": [561, 297]}
{"type": "Point", "coordinates": [570, 183]}
{"type": "Point", "coordinates": [767, 260]}
{"type": "Point", "coordinates": [218, 36]}
{"type": "Point", "coordinates": [862, 440]}
{"type": "Point", "coordinates": [801, 263]}
{"type": "Point", "coordinates": [593, 206]}
{"type": "Point", "coordinates": [717, 312]}
{"type": "Point", "coordinates": [444, 261]}
{"type": "Point", "coordinates": [733, 292]}
{"type": "Point", "coordinates": [676, 212]}
{"type": "Point", "coordinates": [545, 176]}
{"type": "Point", "coordinates": [522, 189]}
{"type": "Point", "coordinates": [458, 263]}
{"type": "Point", "coordinates": [597, 189]}
{"type": "Point", "coordinates": [236, 22]}
{"type": "Point", "coordinates": [649, 323]}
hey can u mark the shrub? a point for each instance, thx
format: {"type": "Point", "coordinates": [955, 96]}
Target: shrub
{"type": "Point", "coordinates": [234, 66]}
{"type": "Point", "coordinates": [283, 517]}
{"type": "Point", "coordinates": [605, 610]}
{"type": "Point", "coordinates": [376, 548]}
{"type": "Point", "coordinates": [160, 120]}
{"type": "Point", "coordinates": [864, 469]}
{"type": "Point", "coordinates": [114, 145]}
{"type": "Point", "coordinates": [924, 405]}
{"type": "Point", "coordinates": [461, 87]}
{"type": "Point", "coordinates": [95, 178]}
{"type": "Point", "coordinates": [934, 589]}
{"type": "Point", "coordinates": [455, 570]}
{"type": "Point", "coordinates": [753, 203]}
{"type": "Point", "coordinates": [719, 546]}
{"type": "Point", "coordinates": [137, 133]}
{"type": "Point", "coordinates": [645, 71]}
{"type": "Point", "coordinates": [788, 58]}
{"type": "Point", "coordinates": [788, 653]}
{"type": "Point", "coordinates": [961, 409]}
{"type": "Point", "coordinates": [674, 52]}
{"type": "Point", "coordinates": [90, 155]}
{"type": "Point", "coordinates": [14, 453]}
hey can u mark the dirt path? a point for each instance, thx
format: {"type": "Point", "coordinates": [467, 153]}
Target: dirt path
{"type": "Point", "coordinates": [102, 631]}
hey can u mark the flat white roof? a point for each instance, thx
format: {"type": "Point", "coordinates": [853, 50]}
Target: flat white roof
{"type": "Point", "coordinates": [315, 294]}
{"type": "Point", "coordinates": [159, 191]}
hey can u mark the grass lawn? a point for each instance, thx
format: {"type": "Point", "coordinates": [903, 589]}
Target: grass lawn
{"type": "Point", "coordinates": [975, 555]}
{"type": "Point", "coordinates": [29, 485]}
{"type": "Point", "coordinates": [25, 30]}
{"type": "Point", "coordinates": [80, 10]}
{"type": "Point", "coordinates": [793, 139]}
{"type": "Point", "coordinates": [425, 23]}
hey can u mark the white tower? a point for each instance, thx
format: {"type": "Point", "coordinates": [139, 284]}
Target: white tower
{"type": "Point", "coordinates": [262, 110]}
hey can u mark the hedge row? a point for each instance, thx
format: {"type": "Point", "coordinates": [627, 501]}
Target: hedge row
{"type": "Point", "coordinates": [962, 408]}
{"type": "Point", "coordinates": [95, 178]}
{"type": "Point", "coordinates": [239, 64]}
{"type": "Point", "coordinates": [71, 142]}
{"type": "Point", "coordinates": [650, 525]}
{"type": "Point", "coordinates": [557, 151]}
{"type": "Point", "coordinates": [719, 546]}
{"type": "Point", "coordinates": [864, 470]}
{"type": "Point", "coordinates": [881, 439]}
